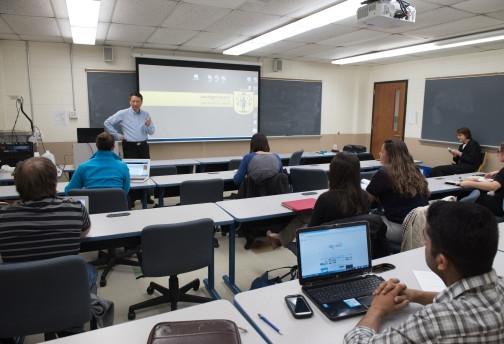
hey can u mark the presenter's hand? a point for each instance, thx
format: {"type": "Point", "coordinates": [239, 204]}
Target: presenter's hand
{"type": "Point", "coordinates": [148, 121]}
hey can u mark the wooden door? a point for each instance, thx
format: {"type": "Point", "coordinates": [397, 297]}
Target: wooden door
{"type": "Point", "coordinates": [389, 112]}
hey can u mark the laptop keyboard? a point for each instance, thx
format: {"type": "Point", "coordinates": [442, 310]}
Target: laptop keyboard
{"type": "Point", "coordinates": [346, 290]}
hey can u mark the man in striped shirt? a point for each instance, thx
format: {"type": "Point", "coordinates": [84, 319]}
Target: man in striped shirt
{"type": "Point", "coordinates": [42, 225]}
{"type": "Point", "coordinates": [460, 245]}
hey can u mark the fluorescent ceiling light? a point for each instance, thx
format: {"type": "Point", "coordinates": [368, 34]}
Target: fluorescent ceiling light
{"type": "Point", "coordinates": [83, 17]}
{"type": "Point", "coordinates": [421, 48]}
{"type": "Point", "coordinates": [330, 15]}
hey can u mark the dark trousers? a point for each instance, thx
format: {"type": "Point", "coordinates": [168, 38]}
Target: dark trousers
{"type": "Point", "coordinates": [494, 204]}
{"type": "Point", "coordinates": [135, 150]}
{"type": "Point", "coordinates": [448, 170]}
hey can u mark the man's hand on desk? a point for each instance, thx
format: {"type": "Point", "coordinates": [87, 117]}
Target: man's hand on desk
{"type": "Point", "coordinates": [411, 295]}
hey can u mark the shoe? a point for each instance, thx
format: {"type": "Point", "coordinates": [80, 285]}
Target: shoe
{"type": "Point", "coordinates": [274, 239]}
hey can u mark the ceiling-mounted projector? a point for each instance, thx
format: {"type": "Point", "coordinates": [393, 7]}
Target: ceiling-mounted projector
{"type": "Point", "coordinates": [386, 13]}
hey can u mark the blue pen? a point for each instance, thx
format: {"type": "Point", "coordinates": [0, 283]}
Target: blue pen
{"type": "Point", "coordinates": [269, 323]}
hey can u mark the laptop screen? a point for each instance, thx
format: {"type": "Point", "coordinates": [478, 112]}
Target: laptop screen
{"type": "Point", "coordinates": [333, 250]}
{"type": "Point", "coordinates": [138, 168]}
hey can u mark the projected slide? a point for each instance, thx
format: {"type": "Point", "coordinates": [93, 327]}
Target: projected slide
{"type": "Point", "coordinates": [200, 103]}
{"type": "Point", "coordinates": [334, 250]}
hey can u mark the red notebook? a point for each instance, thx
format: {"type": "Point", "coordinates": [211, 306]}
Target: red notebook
{"type": "Point", "coordinates": [300, 204]}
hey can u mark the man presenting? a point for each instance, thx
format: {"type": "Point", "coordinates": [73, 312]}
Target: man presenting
{"type": "Point", "coordinates": [132, 126]}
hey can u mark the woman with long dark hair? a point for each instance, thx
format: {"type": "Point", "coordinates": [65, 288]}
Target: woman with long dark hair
{"type": "Point", "coordinates": [398, 186]}
{"type": "Point", "coordinates": [344, 199]}
{"type": "Point", "coordinates": [259, 164]}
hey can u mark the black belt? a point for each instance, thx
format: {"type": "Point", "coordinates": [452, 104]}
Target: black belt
{"type": "Point", "coordinates": [138, 143]}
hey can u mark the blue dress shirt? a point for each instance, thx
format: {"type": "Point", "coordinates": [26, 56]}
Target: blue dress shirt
{"type": "Point", "coordinates": [129, 125]}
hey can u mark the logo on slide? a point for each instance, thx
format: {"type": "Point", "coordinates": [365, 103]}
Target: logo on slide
{"type": "Point", "coordinates": [243, 102]}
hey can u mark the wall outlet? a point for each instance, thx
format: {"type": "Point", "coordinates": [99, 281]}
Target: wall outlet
{"type": "Point", "coordinates": [72, 115]}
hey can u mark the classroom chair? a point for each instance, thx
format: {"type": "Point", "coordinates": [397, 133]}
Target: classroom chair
{"type": "Point", "coordinates": [169, 250]}
{"type": "Point", "coordinates": [306, 180]}
{"type": "Point", "coordinates": [234, 164]}
{"type": "Point", "coordinates": [201, 191]}
{"type": "Point", "coordinates": [163, 171]}
{"type": "Point", "coordinates": [365, 156]}
{"type": "Point", "coordinates": [107, 201]}
{"type": "Point", "coordinates": [367, 174]}
{"type": "Point", "coordinates": [295, 158]}
{"type": "Point", "coordinates": [43, 296]}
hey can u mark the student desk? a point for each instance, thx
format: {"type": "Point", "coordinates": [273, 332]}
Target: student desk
{"type": "Point", "coordinates": [254, 209]}
{"type": "Point", "coordinates": [8, 192]}
{"type": "Point", "coordinates": [6, 178]}
{"type": "Point", "coordinates": [173, 181]}
{"type": "Point", "coordinates": [318, 329]}
{"type": "Point", "coordinates": [137, 331]}
{"type": "Point", "coordinates": [107, 232]}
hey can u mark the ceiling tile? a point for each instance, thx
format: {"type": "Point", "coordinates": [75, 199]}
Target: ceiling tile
{"type": "Point", "coordinates": [422, 6]}
{"type": "Point", "coordinates": [171, 36]}
{"type": "Point", "coordinates": [498, 15]}
{"type": "Point", "coordinates": [491, 46]}
{"type": "Point", "coordinates": [312, 6]}
{"type": "Point", "coordinates": [9, 36]}
{"type": "Point", "coordinates": [64, 26]}
{"type": "Point", "coordinates": [60, 8]}
{"type": "Point", "coordinates": [247, 23]}
{"type": "Point", "coordinates": [129, 33]}
{"type": "Point", "coordinates": [38, 8]}
{"type": "Point", "coordinates": [36, 38]}
{"type": "Point", "coordinates": [142, 12]}
{"type": "Point", "coordinates": [354, 38]}
{"type": "Point", "coordinates": [189, 48]}
{"type": "Point", "coordinates": [310, 49]}
{"type": "Point", "coordinates": [339, 52]}
{"type": "Point", "coordinates": [106, 10]}
{"type": "Point", "coordinates": [459, 27]}
{"type": "Point", "coordinates": [101, 32]}
{"type": "Point", "coordinates": [194, 17]}
{"type": "Point", "coordinates": [123, 43]}
{"type": "Point", "coordinates": [39, 26]}
{"type": "Point", "coordinates": [215, 40]}
{"type": "Point", "coordinates": [218, 3]}
{"type": "Point", "coordinates": [159, 46]}
{"type": "Point", "coordinates": [449, 52]}
{"type": "Point", "coordinates": [323, 33]}
{"type": "Point", "coordinates": [481, 6]}
{"type": "Point", "coordinates": [4, 28]}
{"type": "Point", "coordinates": [284, 7]}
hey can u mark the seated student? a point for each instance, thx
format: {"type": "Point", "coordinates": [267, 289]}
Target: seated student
{"type": "Point", "coordinates": [494, 185]}
{"type": "Point", "coordinates": [104, 170]}
{"type": "Point", "coordinates": [460, 245]}
{"type": "Point", "coordinates": [398, 186]}
{"type": "Point", "coordinates": [467, 158]}
{"type": "Point", "coordinates": [260, 164]}
{"type": "Point", "coordinates": [42, 225]}
{"type": "Point", "coordinates": [345, 198]}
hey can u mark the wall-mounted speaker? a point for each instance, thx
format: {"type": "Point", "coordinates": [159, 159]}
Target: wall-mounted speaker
{"type": "Point", "coordinates": [277, 65]}
{"type": "Point", "coordinates": [108, 54]}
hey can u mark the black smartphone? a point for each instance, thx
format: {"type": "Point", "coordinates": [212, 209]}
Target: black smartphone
{"type": "Point", "coordinates": [118, 214]}
{"type": "Point", "coordinates": [298, 306]}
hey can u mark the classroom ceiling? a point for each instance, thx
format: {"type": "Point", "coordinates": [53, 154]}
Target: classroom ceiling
{"type": "Point", "coordinates": [214, 25]}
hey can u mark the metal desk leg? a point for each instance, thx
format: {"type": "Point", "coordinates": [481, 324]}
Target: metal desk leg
{"type": "Point", "coordinates": [210, 281]}
{"type": "Point", "coordinates": [230, 280]}
{"type": "Point", "coordinates": [145, 194]}
{"type": "Point", "coordinates": [161, 196]}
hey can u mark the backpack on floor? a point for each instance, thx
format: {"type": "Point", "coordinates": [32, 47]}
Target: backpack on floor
{"type": "Point", "coordinates": [266, 280]}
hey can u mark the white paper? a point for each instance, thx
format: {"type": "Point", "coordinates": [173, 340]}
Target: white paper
{"type": "Point", "coordinates": [60, 119]}
{"type": "Point", "coordinates": [429, 281]}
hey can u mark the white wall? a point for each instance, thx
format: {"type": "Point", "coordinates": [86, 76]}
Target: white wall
{"type": "Point", "coordinates": [52, 87]}
{"type": "Point", "coordinates": [416, 72]}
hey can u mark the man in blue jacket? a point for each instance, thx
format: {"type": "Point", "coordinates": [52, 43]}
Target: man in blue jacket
{"type": "Point", "coordinates": [104, 170]}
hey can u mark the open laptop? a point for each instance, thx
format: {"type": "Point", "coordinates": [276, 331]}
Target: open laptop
{"type": "Point", "coordinates": [139, 169]}
{"type": "Point", "coordinates": [334, 268]}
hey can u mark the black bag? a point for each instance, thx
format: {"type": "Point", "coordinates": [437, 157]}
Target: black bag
{"type": "Point", "coordinates": [264, 280]}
